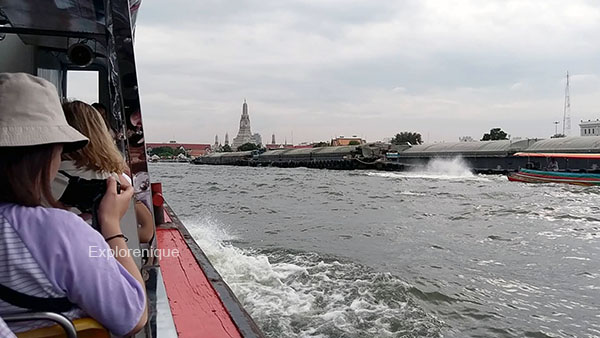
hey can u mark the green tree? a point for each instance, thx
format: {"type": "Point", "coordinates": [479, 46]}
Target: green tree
{"type": "Point", "coordinates": [320, 144]}
{"type": "Point", "coordinates": [162, 152]}
{"type": "Point", "coordinates": [226, 149]}
{"type": "Point", "coordinates": [353, 143]}
{"type": "Point", "coordinates": [247, 147]}
{"type": "Point", "coordinates": [558, 135]}
{"type": "Point", "coordinates": [407, 136]}
{"type": "Point", "coordinates": [495, 134]}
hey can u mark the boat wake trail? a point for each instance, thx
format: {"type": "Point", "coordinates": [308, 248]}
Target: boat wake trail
{"type": "Point", "coordinates": [455, 167]}
{"type": "Point", "coordinates": [299, 294]}
{"type": "Point", "coordinates": [439, 169]}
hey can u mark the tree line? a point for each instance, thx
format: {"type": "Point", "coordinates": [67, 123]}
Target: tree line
{"type": "Point", "coordinates": [414, 138]}
{"type": "Point", "coordinates": [166, 152]}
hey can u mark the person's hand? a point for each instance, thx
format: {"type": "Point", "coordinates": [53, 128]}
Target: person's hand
{"type": "Point", "coordinates": [113, 206]}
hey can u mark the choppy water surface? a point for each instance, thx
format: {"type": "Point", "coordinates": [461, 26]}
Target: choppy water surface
{"type": "Point", "coordinates": [319, 253]}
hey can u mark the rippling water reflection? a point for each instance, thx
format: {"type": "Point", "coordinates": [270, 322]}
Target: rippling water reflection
{"type": "Point", "coordinates": [318, 253]}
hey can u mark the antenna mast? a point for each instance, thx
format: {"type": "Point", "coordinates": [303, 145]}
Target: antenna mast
{"type": "Point", "coordinates": [567, 109]}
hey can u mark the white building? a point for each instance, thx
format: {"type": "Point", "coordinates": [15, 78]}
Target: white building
{"type": "Point", "coordinates": [590, 127]}
{"type": "Point", "coordinates": [257, 139]}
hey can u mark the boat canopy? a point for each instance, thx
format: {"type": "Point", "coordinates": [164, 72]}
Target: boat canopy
{"type": "Point", "coordinates": [60, 16]}
{"type": "Point", "coordinates": [589, 156]}
{"type": "Point", "coordinates": [481, 148]}
{"type": "Point", "coordinates": [273, 153]}
{"type": "Point", "coordinates": [235, 154]}
{"type": "Point", "coordinates": [574, 144]}
{"type": "Point", "coordinates": [299, 151]}
{"type": "Point", "coordinates": [336, 150]}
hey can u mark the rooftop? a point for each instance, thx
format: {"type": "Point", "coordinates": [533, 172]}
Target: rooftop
{"type": "Point", "coordinates": [186, 146]}
{"type": "Point", "coordinates": [567, 144]}
{"type": "Point", "coordinates": [478, 147]}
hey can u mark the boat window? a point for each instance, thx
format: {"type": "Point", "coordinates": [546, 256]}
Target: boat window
{"type": "Point", "coordinates": [15, 56]}
{"type": "Point", "coordinates": [82, 85]}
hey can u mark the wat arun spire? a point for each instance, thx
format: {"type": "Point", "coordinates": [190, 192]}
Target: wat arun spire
{"type": "Point", "coordinates": [244, 134]}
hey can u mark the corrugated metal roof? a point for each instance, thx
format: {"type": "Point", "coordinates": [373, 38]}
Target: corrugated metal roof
{"type": "Point", "coordinates": [229, 154]}
{"type": "Point", "coordinates": [237, 153]}
{"type": "Point", "coordinates": [577, 144]}
{"type": "Point", "coordinates": [479, 147]}
{"type": "Point", "coordinates": [340, 149]}
{"type": "Point", "coordinates": [306, 151]}
{"type": "Point", "coordinates": [300, 151]}
{"type": "Point", "coordinates": [275, 152]}
{"type": "Point", "coordinates": [214, 155]}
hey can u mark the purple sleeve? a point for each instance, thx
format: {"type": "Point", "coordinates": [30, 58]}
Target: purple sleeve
{"type": "Point", "coordinates": [5, 332]}
{"type": "Point", "coordinates": [75, 259]}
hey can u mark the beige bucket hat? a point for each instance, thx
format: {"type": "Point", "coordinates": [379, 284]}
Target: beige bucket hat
{"type": "Point", "coordinates": [31, 114]}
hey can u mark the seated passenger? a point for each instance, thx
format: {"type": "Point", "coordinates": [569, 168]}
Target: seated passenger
{"type": "Point", "coordinates": [46, 252]}
{"type": "Point", "coordinates": [100, 108]}
{"type": "Point", "coordinates": [99, 159]}
{"type": "Point", "coordinates": [553, 165]}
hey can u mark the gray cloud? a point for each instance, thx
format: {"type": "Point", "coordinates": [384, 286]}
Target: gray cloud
{"type": "Point", "coordinates": [372, 68]}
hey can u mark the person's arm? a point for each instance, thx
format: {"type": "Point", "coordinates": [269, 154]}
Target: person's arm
{"type": "Point", "coordinates": [144, 218]}
{"type": "Point", "coordinates": [77, 260]}
{"type": "Point", "coordinates": [112, 208]}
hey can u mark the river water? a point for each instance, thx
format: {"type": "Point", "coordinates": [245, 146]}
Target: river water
{"type": "Point", "coordinates": [435, 253]}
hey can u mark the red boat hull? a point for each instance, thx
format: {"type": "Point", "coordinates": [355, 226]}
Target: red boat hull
{"type": "Point", "coordinates": [537, 176]}
{"type": "Point", "coordinates": [201, 303]}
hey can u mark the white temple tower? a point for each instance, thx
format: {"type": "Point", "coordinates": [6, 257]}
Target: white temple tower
{"type": "Point", "coordinates": [244, 134]}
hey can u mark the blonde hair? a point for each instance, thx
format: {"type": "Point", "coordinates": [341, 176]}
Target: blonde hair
{"type": "Point", "coordinates": [101, 153]}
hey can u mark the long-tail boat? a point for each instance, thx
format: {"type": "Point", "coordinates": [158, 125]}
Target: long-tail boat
{"type": "Point", "coordinates": [556, 176]}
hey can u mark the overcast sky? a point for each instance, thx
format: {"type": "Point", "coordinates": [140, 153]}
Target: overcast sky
{"type": "Point", "coordinates": [373, 68]}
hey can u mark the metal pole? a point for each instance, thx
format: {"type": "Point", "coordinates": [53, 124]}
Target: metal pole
{"type": "Point", "coordinates": [567, 104]}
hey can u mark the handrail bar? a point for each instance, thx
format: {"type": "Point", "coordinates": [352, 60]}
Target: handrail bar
{"type": "Point", "coordinates": [58, 318]}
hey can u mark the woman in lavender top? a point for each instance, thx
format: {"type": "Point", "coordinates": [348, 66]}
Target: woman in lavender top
{"type": "Point", "coordinates": [47, 252]}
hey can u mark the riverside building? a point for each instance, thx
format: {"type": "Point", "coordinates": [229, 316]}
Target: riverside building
{"type": "Point", "coordinates": [590, 127]}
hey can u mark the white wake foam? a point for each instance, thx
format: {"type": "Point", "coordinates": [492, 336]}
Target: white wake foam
{"type": "Point", "coordinates": [440, 169]}
{"type": "Point", "coordinates": [292, 294]}
{"type": "Point", "coordinates": [455, 167]}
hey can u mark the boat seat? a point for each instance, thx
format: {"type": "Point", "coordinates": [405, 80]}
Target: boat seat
{"type": "Point", "coordinates": [64, 328]}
